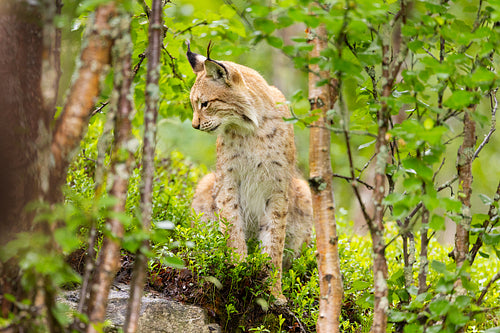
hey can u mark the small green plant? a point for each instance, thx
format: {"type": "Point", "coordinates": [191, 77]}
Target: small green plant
{"type": "Point", "coordinates": [260, 329]}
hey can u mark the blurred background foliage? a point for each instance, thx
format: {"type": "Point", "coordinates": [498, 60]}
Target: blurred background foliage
{"type": "Point", "coordinates": [243, 32]}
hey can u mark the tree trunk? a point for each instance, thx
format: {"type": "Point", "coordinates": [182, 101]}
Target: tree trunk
{"type": "Point", "coordinates": [122, 158]}
{"type": "Point", "coordinates": [22, 118]}
{"type": "Point", "coordinates": [376, 225]}
{"type": "Point", "coordinates": [73, 121]}
{"type": "Point", "coordinates": [322, 194]}
{"type": "Point", "coordinates": [464, 169]}
{"type": "Point", "coordinates": [148, 169]}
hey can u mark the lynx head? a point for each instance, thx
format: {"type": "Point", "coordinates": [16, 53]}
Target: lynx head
{"type": "Point", "coordinates": [220, 98]}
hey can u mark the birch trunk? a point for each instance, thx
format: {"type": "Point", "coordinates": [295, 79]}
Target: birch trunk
{"type": "Point", "coordinates": [153, 74]}
{"type": "Point", "coordinates": [72, 123]}
{"type": "Point", "coordinates": [464, 169]}
{"type": "Point", "coordinates": [330, 279]}
{"type": "Point", "coordinates": [122, 158]}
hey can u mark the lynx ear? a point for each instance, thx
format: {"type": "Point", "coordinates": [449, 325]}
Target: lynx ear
{"type": "Point", "coordinates": [217, 71]}
{"type": "Point", "coordinates": [196, 60]}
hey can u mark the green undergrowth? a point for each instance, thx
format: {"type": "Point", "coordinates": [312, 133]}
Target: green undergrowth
{"type": "Point", "coordinates": [191, 262]}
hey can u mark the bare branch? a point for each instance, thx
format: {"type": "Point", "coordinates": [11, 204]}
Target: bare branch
{"type": "Point", "coordinates": [99, 109]}
{"type": "Point", "coordinates": [350, 179]}
{"type": "Point", "coordinates": [492, 216]}
{"type": "Point", "coordinates": [488, 286]}
{"type": "Point", "coordinates": [494, 107]}
{"type": "Point", "coordinates": [204, 22]}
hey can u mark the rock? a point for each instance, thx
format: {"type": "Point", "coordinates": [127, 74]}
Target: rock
{"type": "Point", "coordinates": [158, 315]}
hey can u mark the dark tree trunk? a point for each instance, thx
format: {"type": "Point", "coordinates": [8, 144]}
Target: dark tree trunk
{"type": "Point", "coordinates": [22, 118]}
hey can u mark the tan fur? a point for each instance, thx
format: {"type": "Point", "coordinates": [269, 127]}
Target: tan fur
{"type": "Point", "coordinates": [255, 186]}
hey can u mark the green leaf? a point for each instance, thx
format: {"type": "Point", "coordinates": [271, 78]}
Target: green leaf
{"type": "Point", "coordinates": [451, 205]}
{"type": "Point", "coordinates": [439, 307]}
{"type": "Point", "coordinates": [457, 317]}
{"type": "Point", "coordinates": [439, 267]}
{"type": "Point", "coordinates": [437, 222]}
{"type": "Point", "coordinates": [259, 11]}
{"type": "Point", "coordinates": [460, 99]}
{"type": "Point", "coordinates": [226, 11]}
{"type": "Point", "coordinates": [264, 25]}
{"type": "Point", "coordinates": [172, 261]}
{"type": "Point", "coordinates": [462, 301]}
{"type": "Point", "coordinates": [396, 316]}
{"type": "Point", "coordinates": [412, 184]}
{"type": "Point", "coordinates": [491, 239]}
{"type": "Point", "coordinates": [275, 41]}
{"type": "Point", "coordinates": [359, 285]}
{"type": "Point", "coordinates": [413, 328]}
{"type": "Point", "coordinates": [485, 199]}
{"type": "Point", "coordinates": [419, 167]}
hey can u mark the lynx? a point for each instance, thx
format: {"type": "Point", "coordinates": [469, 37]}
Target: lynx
{"type": "Point", "coordinates": [255, 187]}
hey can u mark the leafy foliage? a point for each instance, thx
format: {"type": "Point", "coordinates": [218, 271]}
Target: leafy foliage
{"type": "Point", "coordinates": [449, 59]}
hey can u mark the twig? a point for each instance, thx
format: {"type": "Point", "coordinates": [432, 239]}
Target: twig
{"type": "Point", "coordinates": [429, 53]}
{"type": "Point", "coordinates": [448, 184]}
{"type": "Point", "coordinates": [204, 22]}
{"type": "Point", "coordinates": [241, 14]}
{"type": "Point", "coordinates": [367, 217]}
{"type": "Point", "coordinates": [146, 8]}
{"type": "Point", "coordinates": [349, 179]}
{"type": "Point", "coordinates": [485, 289]}
{"type": "Point", "coordinates": [142, 56]}
{"type": "Point", "coordinates": [492, 216]}
{"type": "Point", "coordinates": [99, 109]}
{"type": "Point", "coordinates": [172, 65]}
{"type": "Point", "coordinates": [439, 169]}
{"type": "Point", "coordinates": [494, 107]}
{"type": "Point", "coordinates": [88, 158]}
{"type": "Point", "coordinates": [366, 164]}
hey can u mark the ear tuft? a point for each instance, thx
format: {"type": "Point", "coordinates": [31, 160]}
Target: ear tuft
{"type": "Point", "coordinates": [197, 61]}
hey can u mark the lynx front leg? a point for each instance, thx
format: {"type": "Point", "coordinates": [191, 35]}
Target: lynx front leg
{"type": "Point", "coordinates": [230, 217]}
{"type": "Point", "coordinates": [272, 238]}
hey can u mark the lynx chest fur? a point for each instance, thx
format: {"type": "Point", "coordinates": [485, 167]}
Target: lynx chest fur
{"type": "Point", "coordinates": [255, 186]}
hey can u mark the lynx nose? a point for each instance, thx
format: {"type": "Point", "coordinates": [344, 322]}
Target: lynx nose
{"type": "Point", "coordinates": [196, 123]}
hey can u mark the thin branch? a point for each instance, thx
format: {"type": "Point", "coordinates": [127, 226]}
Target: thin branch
{"type": "Point", "coordinates": [146, 8]}
{"type": "Point", "coordinates": [142, 56]}
{"type": "Point", "coordinates": [99, 109]}
{"type": "Point", "coordinates": [429, 53]}
{"type": "Point", "coordinates": [367, 164]}
{"type": "Point", "coordinates": [367, 216]}
{"type": "Point", "coordinates": [241, 14]}
{"type": "Point", "coordinates": [448, 184]}
{"type": "Point", "coordinates": [204, 22]}
{"type": "Point", "coordinates": [494, 107]}
{"type": "Point", "coordinates": [485, 289]}
{"type": "Point", "coordinates": [350, 179]}
{"type": "Point", "coordinates": [492, 216]}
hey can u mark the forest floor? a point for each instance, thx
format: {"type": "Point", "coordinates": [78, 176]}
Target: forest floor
{"type": "Point", "coordinates": [184, 286]}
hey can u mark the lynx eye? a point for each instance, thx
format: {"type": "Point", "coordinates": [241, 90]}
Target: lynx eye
{"type": "Point", "coordinates": [204, 104]}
